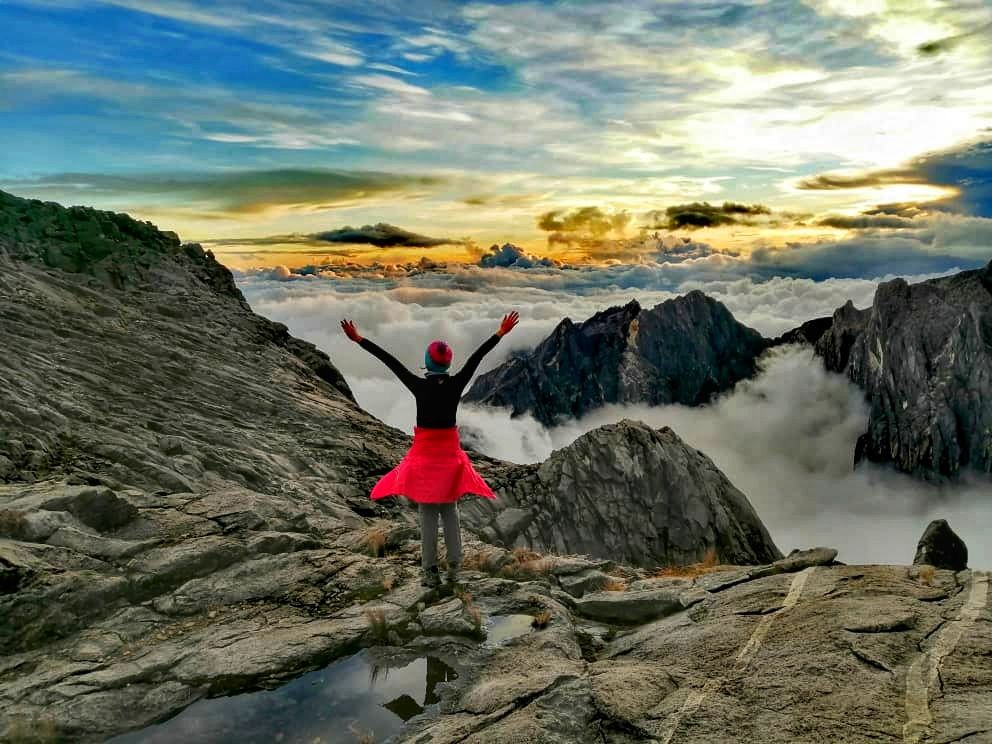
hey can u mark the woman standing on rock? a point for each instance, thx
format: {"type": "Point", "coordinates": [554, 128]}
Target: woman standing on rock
{"type": "Point", "coordinates": [436, 472]}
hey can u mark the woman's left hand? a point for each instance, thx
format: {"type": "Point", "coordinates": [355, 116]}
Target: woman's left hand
{"type": "Point", "coordinates": [350, 331]}
{"type": "Point", "coordinates": [509, 321]}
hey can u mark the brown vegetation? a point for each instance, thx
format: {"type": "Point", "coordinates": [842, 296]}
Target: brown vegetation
{"type": "Point", "coordinates": [710, 563]}
{"type": "Point", "coordinates": [12, 523]}
{"type": "Point", "coordinates": [361, 736]}
{"type": "Point", "coordinates": [473, 612]}
{"type": "Point", "coordinates": [541, 619]}
{"type": "Point", "coordinates": [378, 627]}
{"type": "Point", "coordinates": [374, 541]}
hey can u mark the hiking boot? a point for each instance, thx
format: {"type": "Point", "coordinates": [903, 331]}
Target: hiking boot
{"type": "Point", "coordinates": [430, 578]}
{"type": "Point", "coordinates": [451, 576]}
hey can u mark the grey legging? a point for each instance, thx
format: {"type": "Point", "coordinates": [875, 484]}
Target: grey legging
{"type": "Point", "coordinates": [428, 533]}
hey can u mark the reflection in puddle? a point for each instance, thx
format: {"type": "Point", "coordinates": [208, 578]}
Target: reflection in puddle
{"type": "Point", "coordinates": [324, 705]}
{"type": "Point", "coordinates": [501, 628]}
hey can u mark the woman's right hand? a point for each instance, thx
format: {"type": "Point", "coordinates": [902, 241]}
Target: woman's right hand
{"type": "Point", "coordinates": [350, 331]}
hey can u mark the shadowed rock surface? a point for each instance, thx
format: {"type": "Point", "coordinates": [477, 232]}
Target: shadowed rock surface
{"type": "Point", "coordinates": [684, 350]}
{"type": "Point", "coordinates": [634, 494]}
{"type": "Point", "coordinates": [922, 353]}
{"type": "Point", "coordinates": [941, 547]}
{"type": "Point", "coordinates": [806, 334]}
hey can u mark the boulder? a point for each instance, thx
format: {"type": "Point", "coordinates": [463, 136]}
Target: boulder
{"type": "Point", "coordinates": [634, 607]}
{"type": "Point", "coordinates": [453, 617]}
{"type": "Point", "coordinates": [941, 547]}
{"type": "Point", "coordinates": [640, 496]}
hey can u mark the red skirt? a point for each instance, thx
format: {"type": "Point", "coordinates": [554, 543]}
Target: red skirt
{"type": "Point", "coordinates": [435, 470]}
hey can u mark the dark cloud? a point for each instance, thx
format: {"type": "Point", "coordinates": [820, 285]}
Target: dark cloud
{"type": "Point", "coordinates": [512, 256]}
{"type": "Point", "coordinates": [867, 221]}
{"type": "Point", "coordinates": [902, 209]}
{"type": "Point", "coordinates": [857, 258]}
{"type": "Point", "coordinates": [832, 181]}
{"type": "Point", "coordinates": [585, 222]}
{"type": "Point", "coordinates": [939, 46]}
{"type": "Point", "coordinates": [673, 249]}
{"type": "Point", "coordinates": [967, 169]}
{"type": "Point", "coordinates": [703, 214]}
{"type": "Point", "coordinates": [381, 235]}
{"type": "Point", "coordinates": [501, 200]}
{"type": "Point", "coordinates": [229, 193]}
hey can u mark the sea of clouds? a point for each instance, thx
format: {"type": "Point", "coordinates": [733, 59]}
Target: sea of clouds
{"type": "Point", "coordinates": [786, 438]}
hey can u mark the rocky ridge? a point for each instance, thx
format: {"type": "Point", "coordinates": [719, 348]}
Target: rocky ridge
{"type": "Point", "coordinates": [685, 350]}
{"type": "Point", "coordinates": [172, 464]}
{"type": "Point", "coordinates": [922, 353]}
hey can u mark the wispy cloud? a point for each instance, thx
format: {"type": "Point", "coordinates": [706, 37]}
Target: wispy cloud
{"type": "Point", "coordinates": [229, 194]}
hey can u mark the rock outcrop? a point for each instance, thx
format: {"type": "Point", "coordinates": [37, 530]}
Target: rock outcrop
{"type": "Point", "coordinates": [922, 353]}
{"type": "Point", "coordinates": [806, 334]}
{"type": "Point", "coordinates": [634, 494]}
{"type": "Point", "coordinates": [184, 516]}
{"type": "Point", "coordinates": [941, 547]}
{"type": "Point", "coordinates": [685, 350]}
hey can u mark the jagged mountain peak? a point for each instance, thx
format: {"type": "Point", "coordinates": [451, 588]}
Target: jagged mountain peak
{"type": "Point", "coordinates": [922, 353]}
{"type": "Point", "coordinates": [683, 350]}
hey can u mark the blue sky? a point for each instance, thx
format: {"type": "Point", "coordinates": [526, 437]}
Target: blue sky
{"type": "Point", "coordinates": [467, 122]}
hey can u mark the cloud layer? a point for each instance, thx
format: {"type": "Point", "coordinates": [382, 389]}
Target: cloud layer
{"type": "Point", "coordinates": [785, 439]}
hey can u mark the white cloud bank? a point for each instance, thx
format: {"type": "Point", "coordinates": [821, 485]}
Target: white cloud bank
{"type": "Point", "coordinates": [786, 439]}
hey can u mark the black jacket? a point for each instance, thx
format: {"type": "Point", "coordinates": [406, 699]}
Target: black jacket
{"type": "Point", "coordinates": [437, 395]}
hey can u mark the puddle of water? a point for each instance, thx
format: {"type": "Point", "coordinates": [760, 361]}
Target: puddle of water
{"type": "Point", "coordinates": [501, 628]}
{"type": "Point", "coordinates": [320, 706]}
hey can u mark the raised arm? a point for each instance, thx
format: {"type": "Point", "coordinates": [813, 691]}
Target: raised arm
{"type": "Point", "coordinates": [464, 375]}
{"type": "Point", "coordinates": [405, 376]}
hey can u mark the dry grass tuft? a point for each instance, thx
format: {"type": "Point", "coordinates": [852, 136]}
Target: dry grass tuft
{"type": "Point", "coordinates": [524, 555]}
{"type": "Point", "coordinates": [615, 585]}
{"type": "Point", "coordinates": [12, 523]}
{"type": "Point", "coordinates": [541, 619]}
{"type": "Point", "coordinates": [378, 626]}
{"type": "Point", "coordinates": [926, 574]}
{"type": "Point", "coordinates": [473, 612]}
{"type": "Point", "coordinates": [22, 730]}
{"type": "Point", "coordinates": [710, 563]}
{"type": "Point", "coordinates": [479, 560]}
{"type": "Point", "coordinates": [374, 541]}
{"type": "Point", "coordinates": [361, 735]}
{"type": "Point", "coordinates": [388, 583]}
{"type": "Point", "coordinates": [528, 564]}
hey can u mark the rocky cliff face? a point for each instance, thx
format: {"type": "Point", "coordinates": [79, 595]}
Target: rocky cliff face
{"type": "Point", "coordinates": [685, 350]}
{"type": "Point", "coordinates": [922, 353]}
{"type": "Point", "coordinates": [637, 495]}
{"type": "Point", "coordinates": [183, 516]}
{"type": "Point", "coordinates": [178, 474]}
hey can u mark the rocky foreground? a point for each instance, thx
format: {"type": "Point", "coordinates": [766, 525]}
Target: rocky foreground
{"type": "Point", "coordinates": [184, 515]}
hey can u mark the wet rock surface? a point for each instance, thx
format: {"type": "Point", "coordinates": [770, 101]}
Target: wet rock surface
{"type": "Point", "coordinates": [922, 353]}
